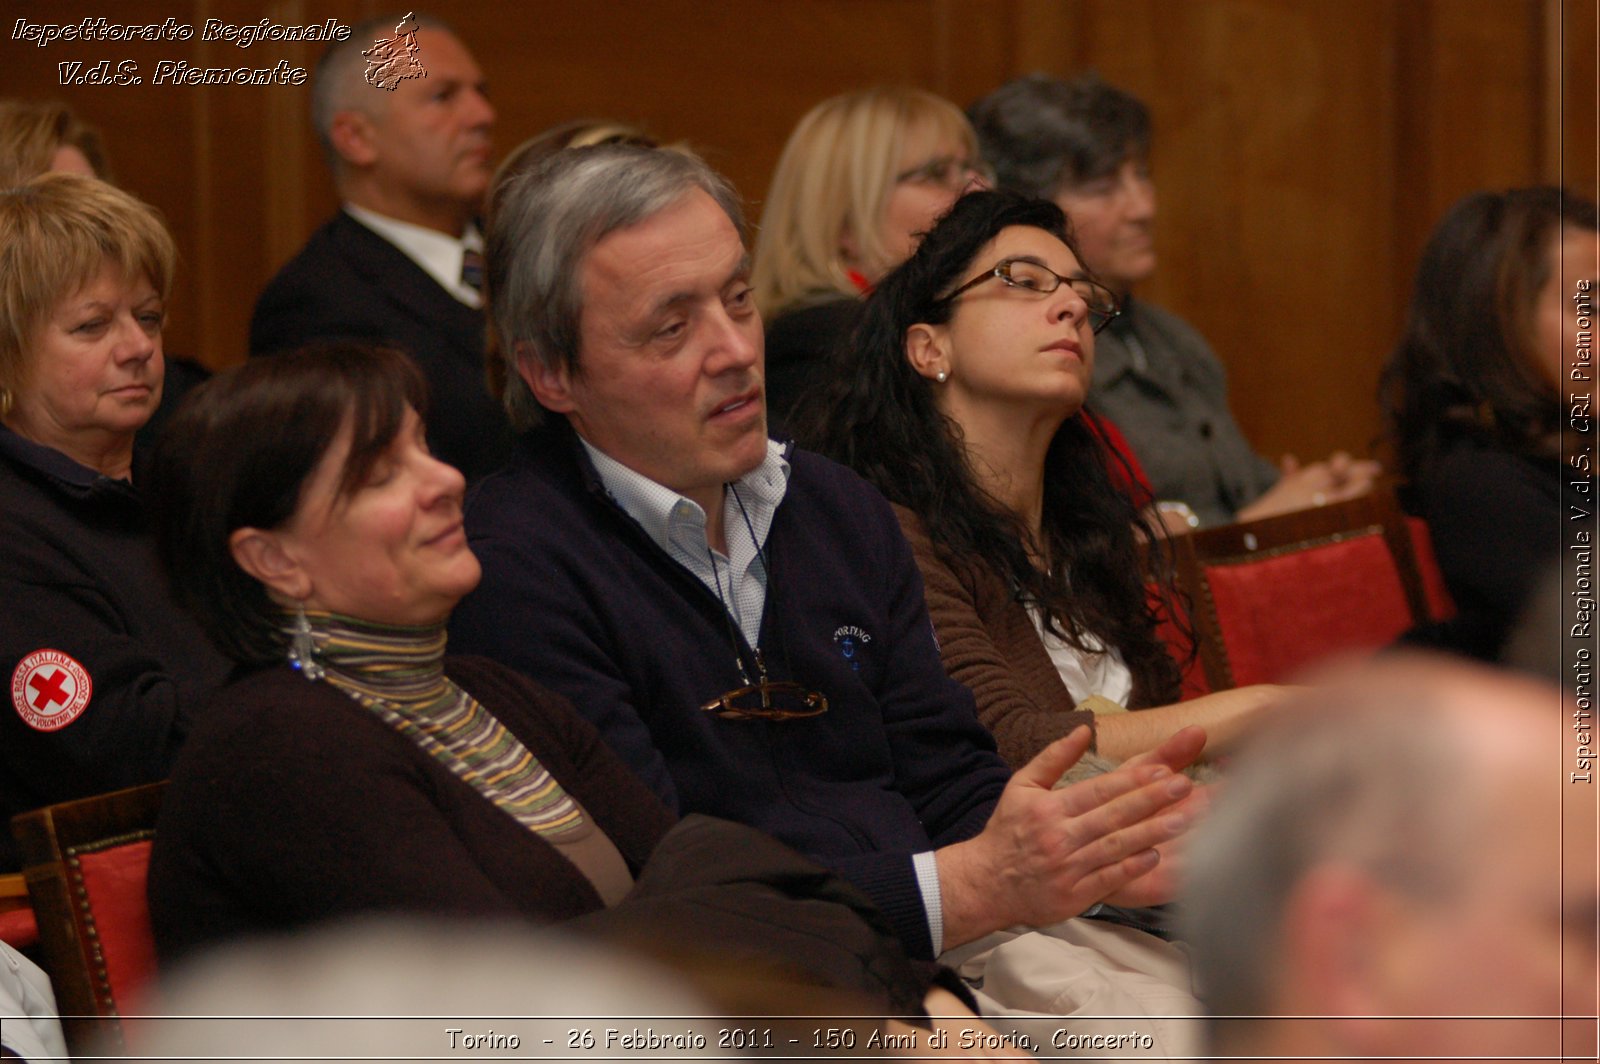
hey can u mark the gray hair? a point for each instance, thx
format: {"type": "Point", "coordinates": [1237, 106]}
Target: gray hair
{"type": "Point", "coordinates": [1042, 135]}
{"type": "Point", "coordinates": [337, 83]}
{"type": "Point", "coordinates": [1369, 777]}
{"type": "Point", "coordinates": [545, 223]}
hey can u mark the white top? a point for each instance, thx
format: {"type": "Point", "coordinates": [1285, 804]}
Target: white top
{"type": "Point", "coordinates": [439, 255]}
{"type": "Point", "coordinates": [1103, 673]}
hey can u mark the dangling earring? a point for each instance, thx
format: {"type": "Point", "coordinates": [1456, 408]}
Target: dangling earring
{"type": "Point", "coordinates": [941, 376]}
{"type": "Point", "coordinates": [303, 646]}
{"type": "Point", "coordinates": [5, 402]}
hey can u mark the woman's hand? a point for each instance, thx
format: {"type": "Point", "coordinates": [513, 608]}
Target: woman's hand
{"type": "Point", "coordinates": [1339, 478]}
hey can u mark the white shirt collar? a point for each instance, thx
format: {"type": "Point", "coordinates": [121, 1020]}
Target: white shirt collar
{"type": "Point", "coordinates": [660, 511]}
{"type": "Point", "coordinates": [439, 255]}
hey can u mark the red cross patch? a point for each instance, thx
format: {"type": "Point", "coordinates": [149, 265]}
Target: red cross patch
{"type": "Point", "coordinates": [50, 690]}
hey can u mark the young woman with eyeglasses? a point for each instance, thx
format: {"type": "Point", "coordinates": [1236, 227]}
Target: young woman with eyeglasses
{"type": "Point", "coordinates": [963, 404]}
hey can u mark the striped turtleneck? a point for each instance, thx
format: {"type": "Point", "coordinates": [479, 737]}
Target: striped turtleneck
{"type": "Point", "coordinates": [398, 674]}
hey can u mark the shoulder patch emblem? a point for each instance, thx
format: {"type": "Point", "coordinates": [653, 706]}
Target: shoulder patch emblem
{"type": "Point", "coordinates": [50, 690]}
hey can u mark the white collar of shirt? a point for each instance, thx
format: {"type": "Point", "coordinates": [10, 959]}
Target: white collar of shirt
{"type": "Point", "coordinates": [678, 526]}
{"type": "Point", "coordinates": [662, 512]}
{"type": "Point", "coordinates": [439, 255]}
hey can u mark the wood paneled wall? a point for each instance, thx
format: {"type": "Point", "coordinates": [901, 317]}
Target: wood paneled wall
{"type": "Point", "coordinates": [1303, 149]}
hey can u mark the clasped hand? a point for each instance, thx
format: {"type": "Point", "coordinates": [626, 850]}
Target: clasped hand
{"type": "Point", "coordinates": [1337, 479]}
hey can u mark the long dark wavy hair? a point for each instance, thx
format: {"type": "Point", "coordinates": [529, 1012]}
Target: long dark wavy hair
{"type": "Point", "coordinates": [1466, 366]}
{"type": "Point", "coordinates": [878, 416]}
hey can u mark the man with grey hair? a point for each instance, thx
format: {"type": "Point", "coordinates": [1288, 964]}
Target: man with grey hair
{"type": "Point", "coordinates": [743, 620]}
{"type": "Point", "coordinates": [401, 263]}
{"type": "Point", "coordinates": [1399, 867]}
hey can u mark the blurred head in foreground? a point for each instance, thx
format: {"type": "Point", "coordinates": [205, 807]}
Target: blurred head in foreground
{"type": "Point", "coordinates": [381, 973]}
{"type": "Point", "coordinates": [1394, 852]}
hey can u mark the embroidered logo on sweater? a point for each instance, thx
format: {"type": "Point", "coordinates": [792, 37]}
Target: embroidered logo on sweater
{"type": "Point", "coordinates": [850, 640]}
{"type": "Point", "coordinates": [50, 690]}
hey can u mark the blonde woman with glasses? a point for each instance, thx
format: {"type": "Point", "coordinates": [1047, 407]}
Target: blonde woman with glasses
{"type": "Point", "coordinates": [862, 177]}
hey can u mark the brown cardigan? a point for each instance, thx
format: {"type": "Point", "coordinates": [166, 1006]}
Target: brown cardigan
{"type": "Point", "coordinates": [989, 643]}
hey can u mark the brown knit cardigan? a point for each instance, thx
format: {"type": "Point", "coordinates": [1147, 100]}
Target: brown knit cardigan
{"type": "Point", "coordinates": [989, 643]}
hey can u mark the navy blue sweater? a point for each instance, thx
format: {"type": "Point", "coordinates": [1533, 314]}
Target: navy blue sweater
{"type": "Point", "coordinates": [79, 581]}
{"type": "Point", "coordinates": [579, 598]}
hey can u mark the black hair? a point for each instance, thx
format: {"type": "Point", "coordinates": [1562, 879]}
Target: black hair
{"type": "Point", "coordinates": [878, 416]}
{"type": "Point", "coordinates": [1042, 135]}
{"type": "Point", "coordinates": [1466, 364]}
{"type": "Point", "coordinates": [239, 452]}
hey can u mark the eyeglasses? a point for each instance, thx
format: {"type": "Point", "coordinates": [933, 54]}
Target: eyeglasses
{"type": "Point", "coordinates": [768, 699]}
{"type": "Point", "coordinates": [947, 171]}
{"type": "Point", "coordinates": [1031, 276]}
{"type": "Point", "coordinates": [765, 699]}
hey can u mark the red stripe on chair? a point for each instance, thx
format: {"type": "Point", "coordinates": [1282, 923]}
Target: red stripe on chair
{"type": "Point", "coordinates": [18, 928]}
{"type": "Point", "coordinates": [114, 887]}
{"type": "Point", "coordinates": [1441, 607]}
{"type": "Point", "coordinates": [1181, 647]}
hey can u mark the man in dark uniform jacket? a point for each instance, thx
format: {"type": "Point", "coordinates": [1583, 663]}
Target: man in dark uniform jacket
{"type": "Point", "coordinates": [399, 263]}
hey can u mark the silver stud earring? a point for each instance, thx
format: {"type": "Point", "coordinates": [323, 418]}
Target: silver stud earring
{"type": "Point", "coordinates": [941, 376]}
{"type": "Point", "coordinates": [303, 647]}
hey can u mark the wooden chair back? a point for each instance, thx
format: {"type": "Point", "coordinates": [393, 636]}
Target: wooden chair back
{"type": "Point", "coordinates": [86, 863]}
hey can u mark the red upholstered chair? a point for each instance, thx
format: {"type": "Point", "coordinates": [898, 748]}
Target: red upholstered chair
{"type": "Point", "coordinates": [85, 863]}
{"type": "Point", "coordinates": [1274, 596]}
{"type": "Point", "coordinates": [1441, 607]}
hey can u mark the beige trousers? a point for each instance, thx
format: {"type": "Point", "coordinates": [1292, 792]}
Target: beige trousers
{"type": "Point", "coordinates": [1085, 988]}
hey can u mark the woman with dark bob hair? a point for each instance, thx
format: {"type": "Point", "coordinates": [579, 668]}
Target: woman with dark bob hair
{"type": "Point", "coordinates": [963, 406]}
{"type": "Point", "coordinates": [351, 767]}
{"type": "Point", "coordinates": [1472, 395]}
